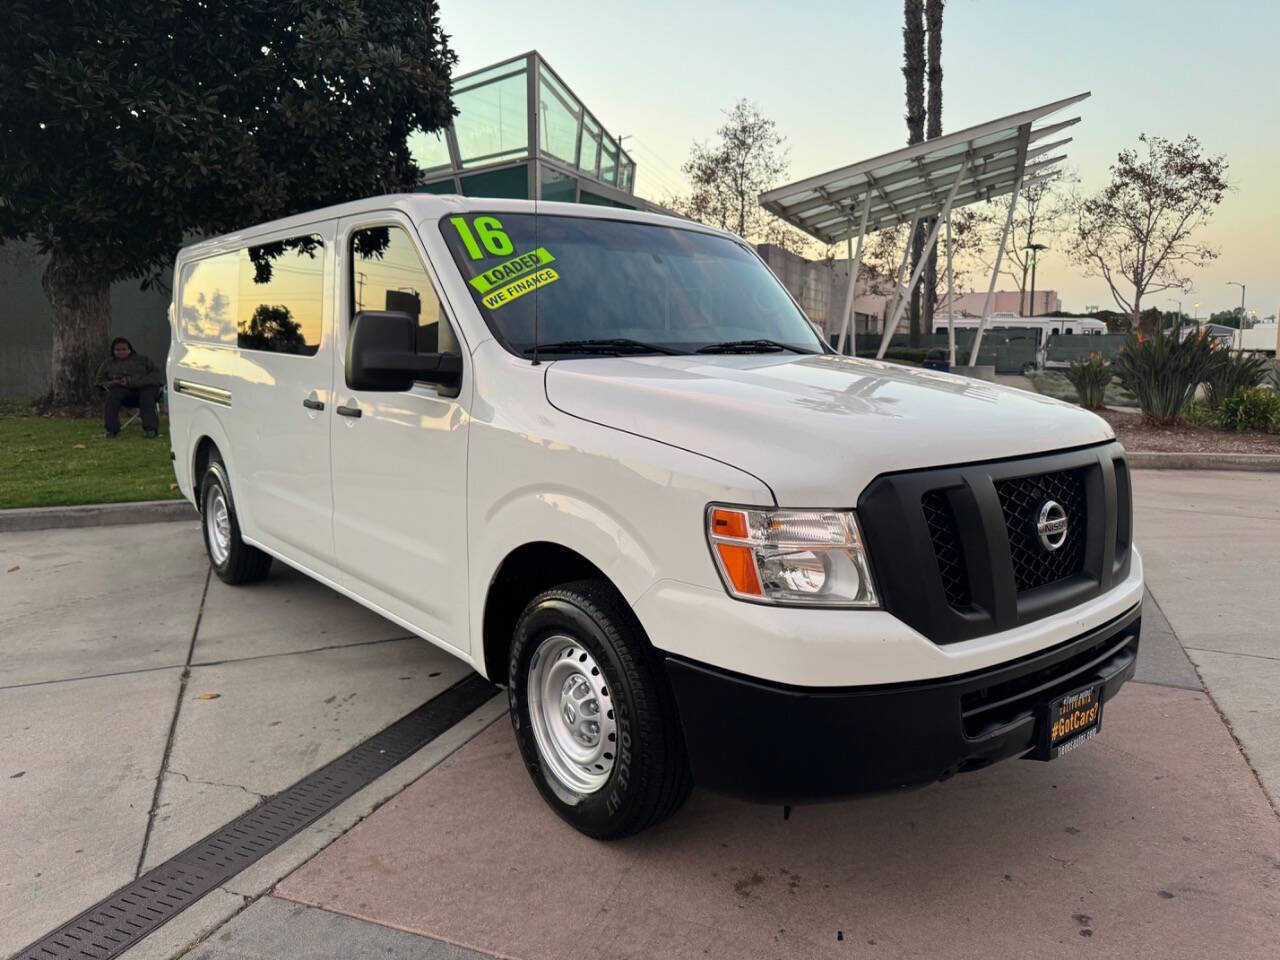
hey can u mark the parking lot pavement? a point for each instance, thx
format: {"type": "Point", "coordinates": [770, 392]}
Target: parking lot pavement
{"type": "Point", "coordinates": [1153, 841]}
{"type": "Point", "coordinates": [1212, 547]}
{"type": "Point", "coordinates": [143, 704]}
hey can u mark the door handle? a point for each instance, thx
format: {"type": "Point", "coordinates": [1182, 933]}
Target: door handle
{"type": "Point", "coordinates": [349, 411]}
{"type": "Point", "coordinates": [313, 404]}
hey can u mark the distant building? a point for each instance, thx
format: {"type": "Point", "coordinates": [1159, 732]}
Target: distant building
{"type": "Point", "coordinates": [1006, 301]}
{"type": "Point", "coordinates": [820, 285]}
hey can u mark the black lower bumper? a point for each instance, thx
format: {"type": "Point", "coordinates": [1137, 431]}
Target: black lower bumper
{"type": "Point", "coordinates": [783, 744]}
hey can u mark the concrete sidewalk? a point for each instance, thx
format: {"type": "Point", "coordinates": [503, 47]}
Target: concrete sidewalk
{"type": "Point", "coordinates": [144, 703]}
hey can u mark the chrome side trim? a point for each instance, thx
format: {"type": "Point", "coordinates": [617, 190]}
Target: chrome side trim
{"type": "Point", "coordinates": [202, 391]}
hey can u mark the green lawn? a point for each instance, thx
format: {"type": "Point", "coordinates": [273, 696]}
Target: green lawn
{"type": "Point", "coordinates": [50, 462]}
{"type": "Point", "coordinates": [1055, 384]}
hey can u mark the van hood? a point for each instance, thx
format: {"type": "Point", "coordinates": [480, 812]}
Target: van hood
{"type": "Point", "coordinates": [816, 429]}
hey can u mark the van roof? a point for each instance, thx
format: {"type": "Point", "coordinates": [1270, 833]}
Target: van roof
{"type": "Point", "coordinates": [428, 206]}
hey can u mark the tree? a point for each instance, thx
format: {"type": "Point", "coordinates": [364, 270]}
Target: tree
{"type": "Point", "coordinates": [913, 70]}
{"type": "Point", "coordinates": [747, 158]}
{"type": "Point", "coordinates": [272, 328]}
{"type": "Point", "coordinates": [933, 129]}
{"type": "Point", "coordinates": [1228, 318]}
{"type": "Point", "coordinates": [1041, 216]}
{"type": "Point", "coordinates": [128, 128]}
{"type": "Point", "coordinates": [1136, 233]}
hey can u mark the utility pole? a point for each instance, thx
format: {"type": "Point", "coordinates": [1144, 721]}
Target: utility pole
{"type": "Point", "coordinates": [1031, 250]}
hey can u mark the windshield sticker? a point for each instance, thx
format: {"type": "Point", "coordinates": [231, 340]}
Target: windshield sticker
{"type": "Point", "coordinates": [518, 288]}
{"type": "Point", "coordinates": [490, 233]}
{"type": "Point", "coordinates": [515, 267]}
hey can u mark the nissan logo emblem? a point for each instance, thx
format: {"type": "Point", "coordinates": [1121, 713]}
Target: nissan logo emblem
{"type": "Point", "coordinates": [1051, 525]}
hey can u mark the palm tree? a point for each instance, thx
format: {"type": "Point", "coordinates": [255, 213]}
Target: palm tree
{"type": "Point", "coordinates": [913, 69]}
{"type": "Point", "coordinates": [933, 21]}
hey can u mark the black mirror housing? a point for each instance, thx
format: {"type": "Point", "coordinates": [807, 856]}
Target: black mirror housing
{"type": "Point", "coordinates": [381, 355]}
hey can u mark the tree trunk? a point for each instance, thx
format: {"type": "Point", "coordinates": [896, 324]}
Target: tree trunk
{"type": "Point", "coordinates": [81, 324]}
{"type": "Point", "coordinates": [933, 19]}
{"type": "Point", "coordinates": [913, 69]}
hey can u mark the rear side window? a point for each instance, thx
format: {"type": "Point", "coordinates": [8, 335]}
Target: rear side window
{"type": "Point", "coordinates": [210, 294]}
{"type": "Point", "coordinates": [281, 287]}
{"type": "Point", "coordinates": [268, 297]}
{"type": "Point", "coordinates": [387, 274]}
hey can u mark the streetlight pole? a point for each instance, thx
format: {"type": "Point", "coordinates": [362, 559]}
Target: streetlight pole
{"type": "Point", "coordinates": [1240, 323]}
{"type": "Point", "coordinates": [1032, 249]}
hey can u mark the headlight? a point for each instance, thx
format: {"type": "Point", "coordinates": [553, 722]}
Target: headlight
{"type": "Point", "coordinates": [812, 558]}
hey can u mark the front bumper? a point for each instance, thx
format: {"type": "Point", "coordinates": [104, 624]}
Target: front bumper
{"type": "Point", "coordinates": [784, 744]}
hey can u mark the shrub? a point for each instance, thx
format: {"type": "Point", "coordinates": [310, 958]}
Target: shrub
{"type": "Point", "coordinates": [1163, 371]}
{"type": "Point", "coordinates": [1090, 378]}
{"type": "Point", "coordinates": [1250, 409]}
{"type": "Point", "coordinates": [1198, 414]}
{"type": "Point", "coordinates": [1231, 373]}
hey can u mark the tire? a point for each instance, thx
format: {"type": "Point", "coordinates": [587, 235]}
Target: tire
{"type": "Point", "coordinates": [233, 560]}
{"type": "Point", "coordinates": [580, 643]}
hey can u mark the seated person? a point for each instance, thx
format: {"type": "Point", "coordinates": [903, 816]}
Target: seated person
{"type": "Point", "coordinates": [130, 379]}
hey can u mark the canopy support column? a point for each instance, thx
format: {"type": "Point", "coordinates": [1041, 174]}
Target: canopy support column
{"type": "Point", "coordinates": [902, 265]}
{"type": "Point", "coordinates": [929, 243]}
{"type": "Point", "coordinates": [951, 301]}
{"type": "Point", "coordinates": [855, 263]}
{"type": "Point", "coordinates": [995, 274]}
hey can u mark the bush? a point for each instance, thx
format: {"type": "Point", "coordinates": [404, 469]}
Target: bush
{"type": "Point", "coordinates": [1250, 409]}
{"type": "Point", "coordinates": [1231, 373]}
{"type": "Point", "coordinates": [1198, 414]}
{"type": "Point", "coordinates": [1090, 378]}
{"type": "Point", "coordinates": [1163, 371]}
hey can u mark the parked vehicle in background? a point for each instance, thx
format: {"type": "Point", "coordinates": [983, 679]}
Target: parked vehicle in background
{"type": "Point", "coordinates": [602, 457]}
{"type": "Point", "coordinates": [1260, 338]}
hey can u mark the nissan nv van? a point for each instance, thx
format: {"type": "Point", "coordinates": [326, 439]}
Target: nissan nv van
{"type": "Point", "coordinates": [603, 457]}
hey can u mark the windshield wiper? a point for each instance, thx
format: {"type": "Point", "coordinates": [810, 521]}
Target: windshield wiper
{"type": "Point", "coordinates": [612, 345]}
{"type": "Point", "coordinates": [750, 346]}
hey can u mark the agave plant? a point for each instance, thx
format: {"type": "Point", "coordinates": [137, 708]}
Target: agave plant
{"type": "Point", "coordinates": [1163, 370]}
{"type": "Point", "coordinates": [1232, 373]}
{"type": "Point", "coordinates": [1090, 378]}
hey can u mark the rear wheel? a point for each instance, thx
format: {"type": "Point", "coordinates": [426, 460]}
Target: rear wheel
{"type": "Point", "coordinates": [233, 560]}
{"type": "Point", "coordinates": [592, 713]}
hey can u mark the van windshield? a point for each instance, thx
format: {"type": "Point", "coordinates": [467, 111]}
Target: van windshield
{"type": "Point", "coordinates": [611, 286]}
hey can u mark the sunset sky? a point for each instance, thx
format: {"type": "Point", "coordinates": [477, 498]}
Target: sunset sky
{"type": "Point", "coordinates": [828, 73]}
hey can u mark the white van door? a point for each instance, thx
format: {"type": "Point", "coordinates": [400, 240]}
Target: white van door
{"type": "Point", "coordinates": [400, 459]}
{"type": "Point", "coordinates": [284, 374]}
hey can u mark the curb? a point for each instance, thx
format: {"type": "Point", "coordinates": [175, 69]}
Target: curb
{"type": "Point", "coordinates": [1262, 462]}
{"type": "Point", "coordinates": [95, 515]}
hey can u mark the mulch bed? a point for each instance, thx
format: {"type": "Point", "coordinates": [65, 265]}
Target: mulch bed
{"type": "Point", "coordinates": [1137, 434]}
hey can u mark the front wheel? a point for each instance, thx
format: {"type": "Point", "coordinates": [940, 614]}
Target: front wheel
{"type": "Point", "coordinates": [592, 714]}
{"type": "Point", "coordinates": [234, 561]}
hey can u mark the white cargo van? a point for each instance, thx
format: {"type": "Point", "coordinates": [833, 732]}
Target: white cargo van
{"type": "Point", "coordinates": [602, 457]}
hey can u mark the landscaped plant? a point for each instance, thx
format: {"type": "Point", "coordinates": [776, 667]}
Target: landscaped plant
{"type": "Point", "coordinates": [1090, 378]}
{"type": "Point", "coordinates": [1231, 373]}
{"type": "Point", "coordinates": [1251, 409]}
{"type": "Point", "coordinates": [1198, 414]}
{"type": "Point", "coordinates": [1162, 371]}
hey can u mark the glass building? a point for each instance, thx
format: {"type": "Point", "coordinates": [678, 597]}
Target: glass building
{"type": "Point", "coordinates": [521, 133]}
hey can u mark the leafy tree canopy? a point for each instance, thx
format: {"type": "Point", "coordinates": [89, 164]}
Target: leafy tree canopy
{"type": "Point", "coordinates": [127, 127]}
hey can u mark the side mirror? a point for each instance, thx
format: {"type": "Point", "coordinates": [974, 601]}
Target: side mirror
{"type": "Point", "coordinates": [381, 355]}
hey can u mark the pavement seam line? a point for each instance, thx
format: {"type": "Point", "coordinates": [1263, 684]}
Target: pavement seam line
{"type": "Point", "coordinates": [1275, 807]}
{"type": "Point", "coordinates": [206, 663]}
{"type": "Point", "coordinates": [1231, 653]}
{"type": "Point", "coordinates": [173, 727]}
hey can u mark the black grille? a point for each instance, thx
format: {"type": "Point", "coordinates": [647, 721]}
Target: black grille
{"type": "Point", "coordinates": [946, 548]}
{"type": "Point", "coordinates": [1021, 500]}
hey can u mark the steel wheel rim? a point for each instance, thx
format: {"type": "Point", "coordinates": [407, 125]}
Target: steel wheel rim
{"type": "Point", "coordinates": [217, 522]}
{"type": "Point", "coordinates": [571, 712]}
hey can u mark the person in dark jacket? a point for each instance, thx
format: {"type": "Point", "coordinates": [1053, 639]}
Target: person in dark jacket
{"type": "Point", "coordinates": [130, 379]}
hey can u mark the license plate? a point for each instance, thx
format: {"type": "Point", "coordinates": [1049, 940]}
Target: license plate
{"type": "Point", "coordinates": [1070, 721]}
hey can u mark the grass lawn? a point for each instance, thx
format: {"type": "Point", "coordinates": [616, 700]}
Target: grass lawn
{"type": "Point", "coordinates": [1054, 384]}
{"type": "Point", "coordinates": [50, 462]}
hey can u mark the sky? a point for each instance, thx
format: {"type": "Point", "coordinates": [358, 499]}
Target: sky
{"type": "Point", "coordinates": [829, 74]}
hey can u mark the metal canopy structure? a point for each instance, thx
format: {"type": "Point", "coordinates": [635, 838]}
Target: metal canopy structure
{"type": "Point", "coordinates": [925, 181]}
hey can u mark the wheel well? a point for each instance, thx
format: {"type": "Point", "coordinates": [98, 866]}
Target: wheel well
{"type": "Point", "coordinates": [206, 449]}
{"type": "Point", "coordinates": [525, 573]}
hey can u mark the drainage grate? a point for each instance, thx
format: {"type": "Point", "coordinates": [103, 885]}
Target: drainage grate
{"type": "Point", "coordinates": [115, 924]}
